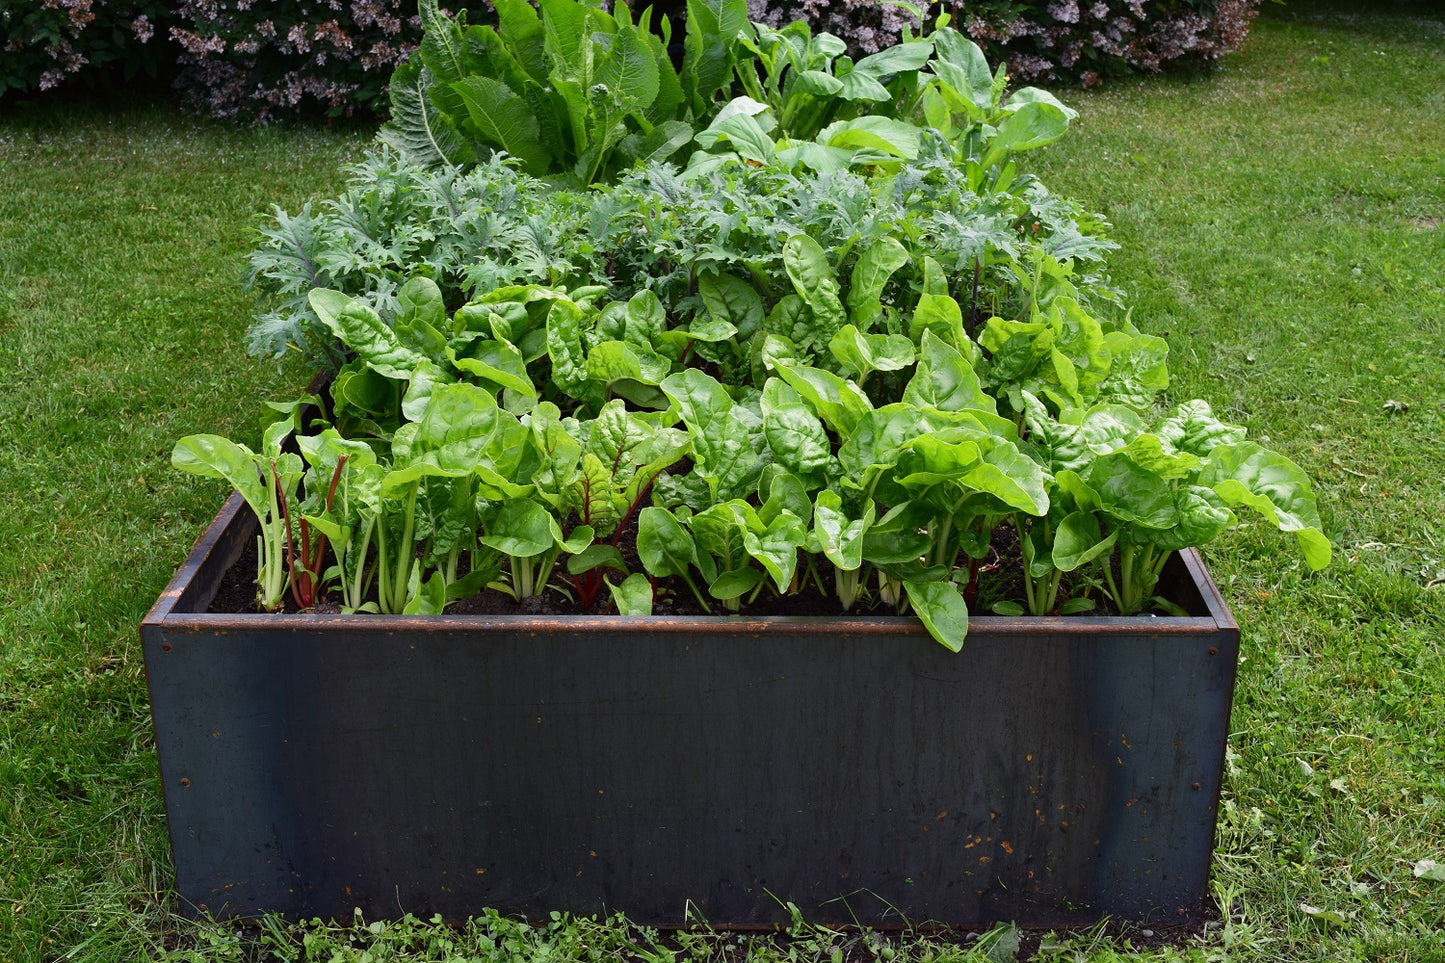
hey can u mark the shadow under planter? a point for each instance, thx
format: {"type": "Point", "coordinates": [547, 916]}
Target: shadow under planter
{"type": "Point", "coordinates": [1055, 771]}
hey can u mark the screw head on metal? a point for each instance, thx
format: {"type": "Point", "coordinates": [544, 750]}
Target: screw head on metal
{"type": "Point", "coordinates": [185, 781]}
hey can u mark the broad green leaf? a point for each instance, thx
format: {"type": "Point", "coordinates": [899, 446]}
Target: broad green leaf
{"type": "Point", "coordinates": [877, 440]}
{"type": "Point", "coordinates": [1057, 446]}
{"type": "Point", "coordinates": [876, 264]}
{"type": "Point", "coordinates": [1271, 484]}
{"type": "Point", "coordinates": [1029, 95]}
{"type": "Point", "coordinates": [503, 119]}
{"type": "Point", "coordinates": [818, 83]}
{"type": "Point", "coordinates": [460, 427]}
{"type": "Point", "coordinates": [664, 547]}
{"type": "Point", "coordinates": [793, 432]}
{"type": "Point", "coordinates": [776, 548]}
{"type": "Point", "coordinates": [1011, 477]}
{"type": "Point", "coordinates": [894, 138]}
{"type": "Point", "coordinates": [940, 314]}
{"type": "Point", "coordinates": [732, 300]}
{"type": "Point", "coordinates": [901, 535]}
{"type": "Point", "coordinates": [420, 300]}
{"type": "Point", "coordinates": [633, 596]}
{"type": "Point", "coordinates": [1079, 541]}
{"type": "Point", "coordinates": [426, 598]}
{"type": "Point", "coordinates": [722, 446]}
{"type": "Point", "coordinates": [444, 46]}
{"type": "Point", "coordinates": [1149, 451]}
{"type": "Point", "coordinates": [498, 363]}
{"type": "Point", "coordinates": [839, 402]}
{"type": "Point", "coordinates": [962, 65]}
{"type": "Point", "coordinates": [897, 59]}
{"type": "Point", "coordinates": [807, 267]}
{"type": "Point", "coordinates": [1193, 428]}
{"type": "Point", "coordinates": [614, 361]}
{"type": "Point", "coordinates": [564, 345]}
{"type": "Point", "coordinates": [521, 30]}
{"type": "Point", "coordinates": [1203, 517]}
{"type": "Point", "coordinates": [212, 456]}
{"type": "Point", "coordinates": [944, 380]}
{"type": "Point", "coordinates": [712, 28]}
{"type": "Point", "coordinates": [1033, 125]}
{"type": "Point", "coordinates": [743, 134]}
{"type": "Point", "coordinates": [424, 380]}
{"type": "Point", "coordinates": [942, 610]}
{"type": "Point", "coordinates": [839, 537]}
{"type": "Point", "coordinates": [629, 70]}
{"type": "Point", "coordinates": [417, 130]}
{"type": "Point", "coordinates": [782, 491]}
{"type": "Point", "coordinates": [362, 330]}
{"type": "Point", "coordinates": [814, 157]}
{"type": "Point", "coordinates": [656, 146]}
{"type": "Point", "coordinates": [862, 354]}
{"type": "Point", "coordinates": [735, 583]}
{"type": "Point", "coordinates": [1070, 489]}
{"type": "Point", "coordinates": [1107, 428]}
{"type": "Point", "coordinates": [1131, 493]}
{"type": "Point", "coordinates": [519, 527]}
{"type": "Point", "coordinates": [1139, 369]}
{"type": "Point", "coordinates": [646, 319]}
{"type": "Point", "coordinates": [861, 87]}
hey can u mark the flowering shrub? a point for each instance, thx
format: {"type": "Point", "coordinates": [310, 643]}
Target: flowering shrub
{"type": "Point", "coordinates": [267, 58]}
{"type": "Point", "coordinates": [44, 42]}
{"type": "Point", "coordinates": [1048, 40]}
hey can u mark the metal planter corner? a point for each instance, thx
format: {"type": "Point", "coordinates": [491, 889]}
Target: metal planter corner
{"type": "Point", "coordinates": [1056, 771]}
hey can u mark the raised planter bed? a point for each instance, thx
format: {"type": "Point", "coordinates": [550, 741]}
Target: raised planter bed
{"type": "Point", "coordinates": [1056, 771]}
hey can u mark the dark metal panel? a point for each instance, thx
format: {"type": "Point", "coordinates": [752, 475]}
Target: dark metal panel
{"type": "Point", "coordinates": [531, 765]}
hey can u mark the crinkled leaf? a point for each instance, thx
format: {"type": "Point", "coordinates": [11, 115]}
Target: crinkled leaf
{"type": "Point", "coordinates": [1131, 493]}
{"type": "Point", "coordinates": [807, 267]}
{"type": "Point", "coordinates": [944, 380]}
{"type": "Point", "coordinates": [503, 119]}
{"type": "Point", "coordinates": [362, 330]}
{"type": "Point", "coordinates": [1193, 428]}
{"type": "Point", "coordinates": [838, 402]}
{"type": "Point", "coordinates": [862, 354]}
{"type": "Point", "coordinates": [883, 256]}
{"type": "Point", "coordinates": [519, 527]}
{"type": "Point", "coordinates": [1277, 488]}
{"type": "Point", "coordinates": [776, 548]}
{"type": "Point", "coordinates": [793, 432]}
{"type": "Point", "coordinates": [212, 456]}
{"type": "Point", "coordinates": [839, 537]}
{"type": "Point", "coordinates": [722, 446]}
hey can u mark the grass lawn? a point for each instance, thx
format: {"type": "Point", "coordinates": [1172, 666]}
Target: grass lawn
{"type": "Point", "coordinates": [1282, 223]}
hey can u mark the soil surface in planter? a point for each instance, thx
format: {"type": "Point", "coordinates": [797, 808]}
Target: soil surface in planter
{"type": "Point", "coordinates": [1001, 578]}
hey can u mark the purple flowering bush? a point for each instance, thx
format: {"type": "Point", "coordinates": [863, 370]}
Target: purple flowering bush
{"type": "Point", "coordinates": [44, 43]}
{"type": "Point", "coordinates": [263, 59]}
{"type": "Point", "coordinates": [1080, 41]}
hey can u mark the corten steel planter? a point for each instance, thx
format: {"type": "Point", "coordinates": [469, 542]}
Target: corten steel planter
{"type": "Point", "coordinates": [1056, 771]}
